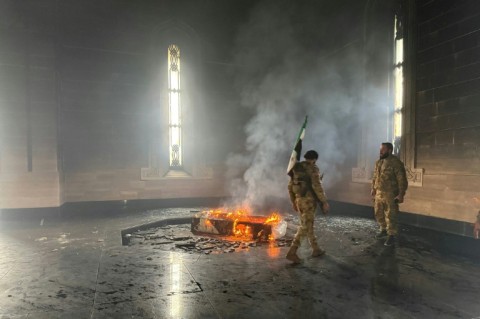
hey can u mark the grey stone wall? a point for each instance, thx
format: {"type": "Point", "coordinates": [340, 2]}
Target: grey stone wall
{"type": "Point", "coordinates": [83, 108]}
{"type": "Point", "coordinates": [448, 82]}
{"type": "Point", "coordinates": [446, 114]}
{"type": "Point", "coordinates": [29, 172]}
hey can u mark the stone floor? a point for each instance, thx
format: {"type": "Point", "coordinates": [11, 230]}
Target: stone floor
{"type": "Point", "coordinates": [78, 268]}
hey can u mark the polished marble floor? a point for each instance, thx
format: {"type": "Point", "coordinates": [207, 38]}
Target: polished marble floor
{"type": "Point", "coordinates": [77, 268]}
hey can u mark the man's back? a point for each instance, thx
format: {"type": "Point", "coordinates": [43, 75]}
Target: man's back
{"type": "Point", "coordinates": [306, 181]}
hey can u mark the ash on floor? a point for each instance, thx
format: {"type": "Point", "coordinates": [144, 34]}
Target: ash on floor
{"type": "Point", "coordinates": [180, 238]}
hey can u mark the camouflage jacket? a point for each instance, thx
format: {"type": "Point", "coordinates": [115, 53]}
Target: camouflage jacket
{"type": "Point", "coordinates": [390, 176]}
{"type": "Point", "coordinates": [306, 182]}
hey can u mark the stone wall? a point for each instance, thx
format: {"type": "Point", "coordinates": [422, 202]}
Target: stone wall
{"type": "Point", "coordinates": [446, 113]}
{"type": "Point", "coordinates": [448, 81]}
{"type": "Point", "coordinates": [29, 171]}
{"type": "Point", "coordinates": [83, 104]}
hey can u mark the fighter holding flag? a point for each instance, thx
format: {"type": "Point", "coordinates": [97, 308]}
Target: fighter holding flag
{"type": "Point", "coordinates": [305, 190]}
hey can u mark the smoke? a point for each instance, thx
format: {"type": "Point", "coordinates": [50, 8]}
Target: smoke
{"type": "Point", "coordinates": [298, 58]}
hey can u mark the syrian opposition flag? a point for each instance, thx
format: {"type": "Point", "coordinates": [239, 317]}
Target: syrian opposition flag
{"type": "Point", "coordinates": [295, 157]}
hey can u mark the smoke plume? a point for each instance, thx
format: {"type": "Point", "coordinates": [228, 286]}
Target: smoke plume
{"type": "Point", "coordinates": [297, 58]}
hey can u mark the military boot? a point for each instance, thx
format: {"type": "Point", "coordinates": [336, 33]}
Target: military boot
{"type": "Point", "coordinates": [292, 255]}
{"type": "Point", "coordinates": [317, 251]}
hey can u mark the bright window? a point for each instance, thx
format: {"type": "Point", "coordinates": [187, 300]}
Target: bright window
{"type": "Point", "coordinates": [397, 85]}
{"type": "Point", "coordinates": [175, 110]}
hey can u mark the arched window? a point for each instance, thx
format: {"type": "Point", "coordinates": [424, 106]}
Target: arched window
{"type": "Point", "coordinates": [175, 110]}
{"type": "Point", "coordinates": [398, 85]}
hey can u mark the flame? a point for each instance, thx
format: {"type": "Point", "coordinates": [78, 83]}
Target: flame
{"type": "Point", "coordinates": [240, 215]}
{"type": "Point", "coordinates": [274, 218]}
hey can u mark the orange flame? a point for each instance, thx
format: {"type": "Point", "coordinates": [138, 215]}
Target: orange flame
{"type": "Point", "coordinates": [274, 218]}
{"type": "Point", "coordinates": [240, 215]}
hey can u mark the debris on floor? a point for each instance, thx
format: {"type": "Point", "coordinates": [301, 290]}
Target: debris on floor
{"type": "Point", "coordinates": [180, 238]}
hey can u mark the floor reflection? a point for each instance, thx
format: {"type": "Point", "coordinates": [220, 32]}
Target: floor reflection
{"type": "Point", "coordinates": [175, 284]}
{"type": "Point", "coordinates": [273, 251]}
{"type": "Point", "coordinates": [385, 282]}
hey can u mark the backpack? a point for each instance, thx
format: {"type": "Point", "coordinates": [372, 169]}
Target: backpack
{"type": "Point", "coordinates": [301, 180]}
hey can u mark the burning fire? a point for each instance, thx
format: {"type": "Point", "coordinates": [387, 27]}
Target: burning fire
{"type": "Point", "coordinates": [242, 220]}
{"type": "Point", "coordinates": [274, 218]}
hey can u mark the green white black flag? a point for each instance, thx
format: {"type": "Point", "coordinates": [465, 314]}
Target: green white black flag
{"type": "Point", "coordinates": [295, 157]}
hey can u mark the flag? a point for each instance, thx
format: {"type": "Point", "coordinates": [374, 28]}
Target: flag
{"type": "Point", "coordinates": [295, 157]}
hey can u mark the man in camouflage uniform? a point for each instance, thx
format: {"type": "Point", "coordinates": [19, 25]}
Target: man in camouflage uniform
{"type": "Point", "coordinates": [389, 185]}
{"type": "Point", "coordinates": [305, 190]}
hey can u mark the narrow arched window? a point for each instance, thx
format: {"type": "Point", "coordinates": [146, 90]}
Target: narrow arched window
{"type": "Point", "coordinates": [398, 84]}
{"type": "Point", "coordinates": [175, 109]}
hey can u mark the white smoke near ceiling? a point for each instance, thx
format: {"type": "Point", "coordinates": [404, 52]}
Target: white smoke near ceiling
{"type": "Point", "coordinates": [297, 60]}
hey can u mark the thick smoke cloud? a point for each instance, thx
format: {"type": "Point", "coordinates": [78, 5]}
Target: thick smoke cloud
{"type": "Point", "coordinates": [298, 58]}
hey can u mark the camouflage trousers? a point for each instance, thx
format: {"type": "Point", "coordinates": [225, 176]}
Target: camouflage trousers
{"type": "Point", "coordinates": [306, 208]}
{"type": "Point", "coordinates": [386, 210]}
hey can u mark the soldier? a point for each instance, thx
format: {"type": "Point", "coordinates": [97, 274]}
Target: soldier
{"type": "Point", "coordinates": [305, 190]}
{"type": "Point", "coordinates": [389, 185]}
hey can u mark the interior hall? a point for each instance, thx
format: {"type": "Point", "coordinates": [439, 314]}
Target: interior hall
{"type": "Point", "coordinates": [239, 159]}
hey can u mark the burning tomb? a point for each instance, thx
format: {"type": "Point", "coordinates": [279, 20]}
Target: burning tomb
{"type": "Point", "coordinates": [239, 224]}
